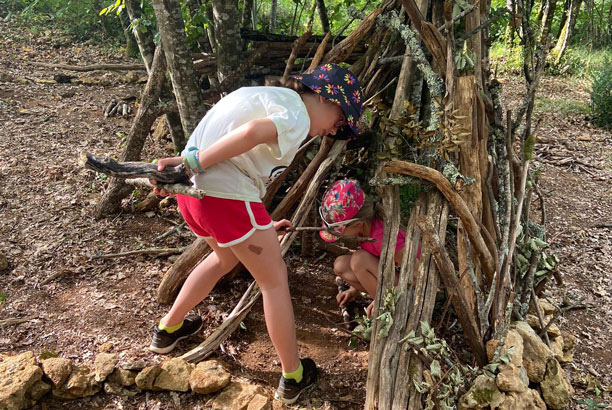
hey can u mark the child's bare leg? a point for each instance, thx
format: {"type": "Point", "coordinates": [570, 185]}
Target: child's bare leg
{"type": "Point", "coordinates": [200, 282]}
{"type": "Point", "coordinates": [365, 267]}
{"type": "Point", "coordinates": [261, 255]}
{"type": "Point", "coordinates": [342, 268]}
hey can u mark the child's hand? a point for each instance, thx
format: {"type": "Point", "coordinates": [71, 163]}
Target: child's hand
{"type": "Point", "coordinates": [347, 296]}
{"type": "Point", "coordinates": [161, 164]}
{"type": "Point", "coordinates": [369, 310]}
{"type": "Point", "coordinates": [282, 227]}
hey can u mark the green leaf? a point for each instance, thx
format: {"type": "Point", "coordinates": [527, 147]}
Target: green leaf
{"type": "Point", "coordinates": [435, 368]}
{"type": "Point", "coordinates": [104, 10]}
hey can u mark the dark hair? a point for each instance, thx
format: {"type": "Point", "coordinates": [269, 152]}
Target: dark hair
{"type": "Point", "coordinates": [292, 84]}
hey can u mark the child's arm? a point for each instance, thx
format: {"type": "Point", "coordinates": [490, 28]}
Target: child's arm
{"type": "Point", "coordinates": [236, 142]}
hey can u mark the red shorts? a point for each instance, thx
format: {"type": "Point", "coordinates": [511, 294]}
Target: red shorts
{"type": "Point", "coordinates": [227, 221]}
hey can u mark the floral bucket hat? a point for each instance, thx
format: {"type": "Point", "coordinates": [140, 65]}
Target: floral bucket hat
{"type": "Point", "coordinates": [338, 85]}
{"type": "Point", "coordinates": [340, 203]}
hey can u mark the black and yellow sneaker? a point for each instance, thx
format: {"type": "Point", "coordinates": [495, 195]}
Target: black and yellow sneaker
{"type": "Point", "coordinates": [289, 390]}
{"type": "Point", "coordinates": [163, 342]}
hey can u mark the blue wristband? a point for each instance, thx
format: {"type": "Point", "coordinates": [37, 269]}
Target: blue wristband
{"type": "Point", "coordinates": [192, 158]}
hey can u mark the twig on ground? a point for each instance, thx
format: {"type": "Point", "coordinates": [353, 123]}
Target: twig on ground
{"type": "Point", "coordinates": [15, 321]}
{"type": "Point", "coordinates": [558, 313]}
{"type": "Point", "coordinates": [170, 231]}
{"type": "Point", "coordinates": [152, 251]}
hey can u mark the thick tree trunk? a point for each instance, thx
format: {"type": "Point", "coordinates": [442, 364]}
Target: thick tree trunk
{"type": "Point", "coordinates": [146, 115]}
{"type": "Point", "coordinates": [272, 22]}
{"type": "Point", "coordinates": [247, 15]}
{"type": "Point", "coordinates": [227, 37]}
{"type": "Point", "coordinates": [547, 17]}
{"type": "Point", "coordinates": [323, 15]}
{"type": "Point", "coordinates": [179, 62]}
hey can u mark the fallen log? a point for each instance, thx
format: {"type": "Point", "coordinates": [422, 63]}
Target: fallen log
{"type": "Point", "coordinates": [110, 67]}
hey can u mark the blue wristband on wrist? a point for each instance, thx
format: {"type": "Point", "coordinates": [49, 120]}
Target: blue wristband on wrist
{"type": "Point", "coordinates": [193, 160]}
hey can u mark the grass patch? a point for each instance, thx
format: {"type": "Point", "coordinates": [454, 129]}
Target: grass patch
{"type": "Point", "coordinates": [561, 105]}
{"type": "Point", "coordinates": [581, 61]}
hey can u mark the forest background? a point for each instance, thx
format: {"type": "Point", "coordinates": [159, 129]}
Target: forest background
{"type": "Point", "coordinates": [581, 34]}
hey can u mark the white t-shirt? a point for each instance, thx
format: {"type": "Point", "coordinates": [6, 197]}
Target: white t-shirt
{"type": "Point", "coordinates": [246, 176]}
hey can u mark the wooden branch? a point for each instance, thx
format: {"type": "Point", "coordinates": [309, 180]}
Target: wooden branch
{"type": "Point", "coordinates": [471, 226]}
{"type": "Point", "coordinates": [297, 45]}
{"type": "Point", "coordinates": [331, 231]}
{"type": "Point", "coordinates": [316, 60]}
{"type": "Point", "coordinates": [344, 48]}
{"type": "Point", "coordinates": [180, 189]}
{"type": "Point", "coordinates": [433, 39]}
{"type": "Point", "coordinates": [111, 67]}
{"type": "Point", "coordinates": [153, 251]}
{"type": "Point", "coordinates": [15, 321]}
{"type": "Point", "coordinates": [108, 166]}
{"type": "Point", "coordinates": [453, 288]}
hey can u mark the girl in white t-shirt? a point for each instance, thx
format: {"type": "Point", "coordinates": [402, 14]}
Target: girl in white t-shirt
{"type": "Point", "coordinates": [242, 144]}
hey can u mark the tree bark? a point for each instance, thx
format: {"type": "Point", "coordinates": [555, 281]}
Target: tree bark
{"type": "Point", "coordinates": [144, 39]}
{"type": "Point", "coordinates": [567, 31]}
{"type": "Point", "coordinates": [146, 115]}
{"type": "Point", "coordinates": [547, 17]}
{"type": "Point", "coordinates": [179, 62]}
{"type": "Point", "coordinates": [227, 37]}
{"type": "Point", "coordinates": [323, 15]}
{"type": "Point", "coordinates": [272, 23]}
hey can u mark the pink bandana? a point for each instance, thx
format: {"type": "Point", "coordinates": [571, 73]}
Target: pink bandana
{"type": "Point", "coordinates": [341, 202]}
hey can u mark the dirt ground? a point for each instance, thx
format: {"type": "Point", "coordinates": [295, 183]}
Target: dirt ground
{"type": "Point", "coordinates": [77, 305]}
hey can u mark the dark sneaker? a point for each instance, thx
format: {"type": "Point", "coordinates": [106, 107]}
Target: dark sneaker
{"type": "Point", "coordinates": [289, 390]}
{"type": "Point", "coordinates": [163, 342]}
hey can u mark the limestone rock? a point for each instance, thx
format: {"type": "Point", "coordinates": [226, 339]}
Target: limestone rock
{"type": "Point", "coordinates": [514, 341]}
{"type": "Point", "coordinates": [556, 345]}
{"type": "Point", "coordinates": [556, 387]}
{"type": "Point", "coordinates": [569, 341]}
{"type": "Point", "coordinates": [21, 382]}
{"type": "Point", "coordinates": [535, 352]}
{"type": "Point", "coordinates": [483, 393]}
{"type": "Point", "coordinates": [57, 369]}
{"type": "Point", "coordinates": [490, 347]}
{"type": "Point", "coordinates": [135, 365]}
{"type": "Point", "coordinates": [118, 390]}
{"type": "Point", "coordinates": [236, 396]}
{"type": "Point", "coordinates": [122, 377]}
{"type": "Point", "coordinates": [209, 376]}
{"type": "Point", "coordinates": [509, 380]}
{"type": "Point", "coordinates": [104, 364]}
{"type": "Point", "coordinates": [260, 402]}
{"type": "Point", "coordinates": [553, 330]}
{"type": "Point", "coordinates": [145, 379]}
{"type": "Point", "coordinates": [80, 383]}
{"type": "Point", "coordinates": [527, 400]}
{"type": "Point", "coordinates": [174, 375]}
{"type": "Point", "coordinates": [546, 307]}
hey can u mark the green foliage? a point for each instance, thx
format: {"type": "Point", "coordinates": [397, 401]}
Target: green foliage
{"type": "Point", "coordinates": [580, 61]}
{"type": "Point", "coordinates": [2, 298]}
{"type": "Point", "coordinates": [593, 404]}
{"type": "Point", "coordinates": [77, 18]}
{"type": "Point", "coordinates": [601, 95]}
{"type": "Point", "coordinates": [560, 105]}
{"type": "Point", "coordinates": [47, 354]}
{"type": "Point", "coordinates": [506, 58]}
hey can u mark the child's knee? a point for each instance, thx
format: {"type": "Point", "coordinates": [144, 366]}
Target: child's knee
{"type": "Point", "coordinates": [341, 264]}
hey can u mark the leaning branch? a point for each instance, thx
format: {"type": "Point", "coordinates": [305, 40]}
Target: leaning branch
{"type": "Point", "coordinates": [471, 226]}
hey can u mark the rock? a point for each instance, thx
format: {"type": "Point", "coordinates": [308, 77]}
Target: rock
{"type": "Point", "coordinates": [546, 307]}
{"type": "Point", "coordinates": [260, 402]}
{"type": "Point", "coordinates": [4, 265]}
{"type": "Point", "coordinates": [527, 400]}
{"type": "Point", "coordinates": [122, 377]}
{"type": "Point", "coordinates": [569, 341]}
{"type": "Point", "coordinates": [483, 393]}
{"type": "Point", "coordinates": [104, 364]}
{"type": "Point", "coordinates": [57, 369]}
{"type": "Point", "coordinates": [21, 382]}
{"type": "Point", "coordinates": [556, 346]}
{"type": "Point", "coordinates": [556, 387]}
{"type": "Point", "coordinates": [174, 375]}
{"type": "Point", "coordinates": [80, 383]}
{"type": "Point", "coordinates": [105, 347]}
{"type": "Point", "coordinates": [514, 341]}
{"type": "Point", "coordinates": [118, 390]}
{"type": "Point", "coordinates": [145, 379]}
{"type": "Point", "coordinates": [509, 380]}
{"type": "Point", "coordinates": [490, 347]}
{"type": "Point", "coordinates": [135, 365]}
{"type": "Point", "coordinates": [535, 352]}
{"type": "Point", "coordinates": [236, 396]}
{"type": "Point", "coordinates": [209, 376]}
{"type": "Point", "coordinates": [553, 330]}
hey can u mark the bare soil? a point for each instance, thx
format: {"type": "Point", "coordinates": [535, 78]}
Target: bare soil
{"type": "Point", "coordinates": [78, 305]}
